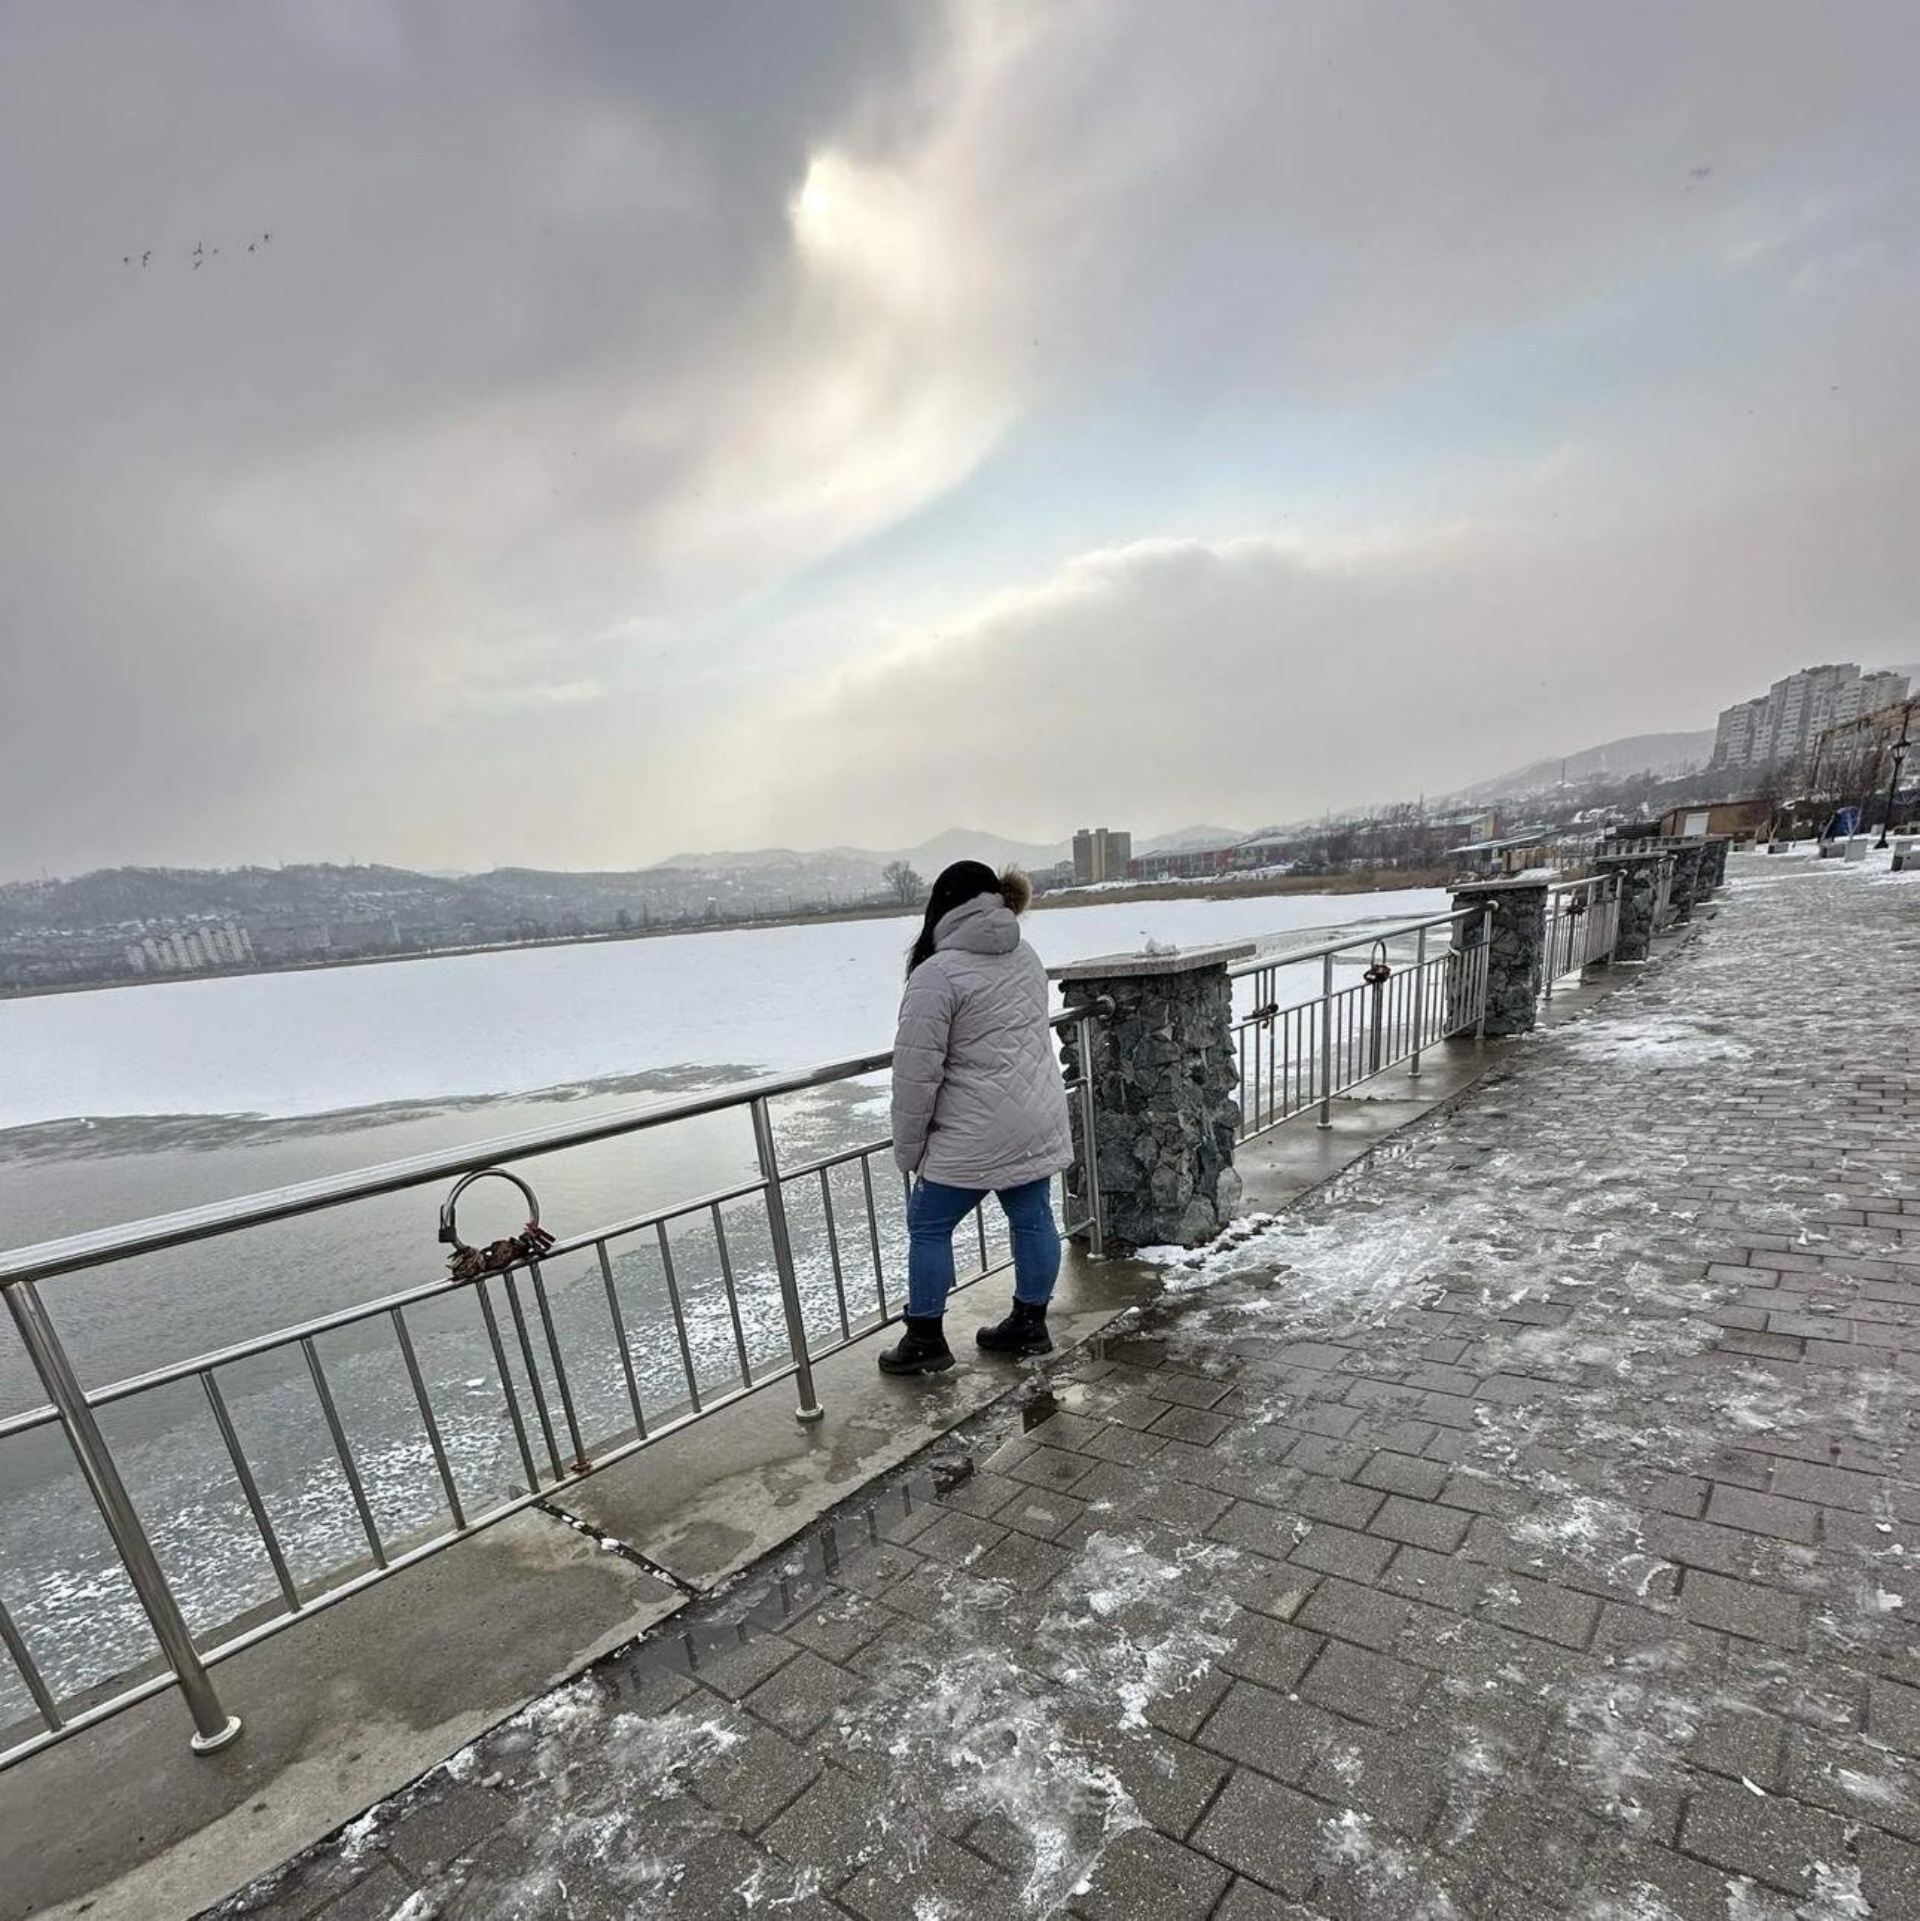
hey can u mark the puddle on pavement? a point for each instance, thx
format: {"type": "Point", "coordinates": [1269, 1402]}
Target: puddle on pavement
{"type": "Point", "coordinates": [808, 1570]}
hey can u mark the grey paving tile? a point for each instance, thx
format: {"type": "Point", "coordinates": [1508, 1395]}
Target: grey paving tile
{"type": "Point", "coordinates": [1744, 1608]}
{"type": "Point", "coordinates": [1766, 1836]}
{"type": "Point", "coordinates": [1363, 1685]}
{"type": "Point", "coordinates": [1264, 1831]}
{"type": "Point", "coordinates": [1145, 1877]}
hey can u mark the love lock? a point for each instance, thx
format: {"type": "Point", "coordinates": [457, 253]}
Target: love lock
{"type": "Point", "coordinates": [471, 1263]}
{"type": "Point", "coordinates": [1576, 906]}
{"type": "Point", "coordinates": [1377, 977]}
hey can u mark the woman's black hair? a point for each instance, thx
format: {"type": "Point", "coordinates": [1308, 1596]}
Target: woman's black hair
{"type": "Point", "coordinates": [965, 880]}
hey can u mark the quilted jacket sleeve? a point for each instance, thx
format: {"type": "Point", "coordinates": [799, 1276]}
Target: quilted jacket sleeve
{"type": "Point", "coordinates": [920, 1061]}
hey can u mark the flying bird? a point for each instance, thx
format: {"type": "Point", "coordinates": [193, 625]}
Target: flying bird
{"type": "Point", "coordinates": [1700, 173]}
{"type": "Point", "coordinates": [145, 257]}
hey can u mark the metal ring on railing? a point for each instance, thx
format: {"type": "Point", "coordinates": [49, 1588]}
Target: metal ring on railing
{"type": "Point", "coordinates": [470, 1263]}
{"type": "Point", "coordinates": [1379, 972]}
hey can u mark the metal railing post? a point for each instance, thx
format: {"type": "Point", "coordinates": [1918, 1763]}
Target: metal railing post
{"type": "Point", "coordinates": [1419, 1001]}
{"type": "Point", "coordinates": [1326, 1041]}
{"type": "Point", "coordinates": [214, 1726]}
{"type": "Point", "coordinates": [1485, 969]}
{"type": "Point", "coordinates": [1089, 1145]}
{"type": "Point", "coordinates": [809, 1408]}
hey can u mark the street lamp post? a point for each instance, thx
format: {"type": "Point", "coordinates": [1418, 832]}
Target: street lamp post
{"type": "Point", "coordinates": [1893, 780]}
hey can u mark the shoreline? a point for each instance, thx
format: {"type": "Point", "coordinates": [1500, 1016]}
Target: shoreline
{"type": "Point", "coordinates": [1351, 881]}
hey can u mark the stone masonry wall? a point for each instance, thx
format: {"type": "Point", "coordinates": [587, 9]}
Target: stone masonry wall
{"type": "Point", "coordinates": [1517, 962]}
{"type": "Point", "coordinates": [1164, 1075]}
{"type": "Point", "coordinates": [1639, 880]}
{"type": "Point", "coordinates": [1688, 887]}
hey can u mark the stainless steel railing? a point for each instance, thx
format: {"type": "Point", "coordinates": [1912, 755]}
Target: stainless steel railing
{"type": "Point", "coordinates": [803, 1260]}
{"type": "Point", "coordinates": [1303, 1036]}
{"type": "Point", "coordinates": [1583, 920]}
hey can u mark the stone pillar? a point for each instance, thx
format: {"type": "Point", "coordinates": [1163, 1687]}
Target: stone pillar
{"type": "Point", "coordinates": [1516, 964]}
{"type": "Point", "coordinates": [1687, 887]}
{"type": "Point", "coordinates": [1718, 846]}
{"type": "Point", "coordinates": [1638, 878]}
{"type": "Point", "coordinates": [1163, 1073]}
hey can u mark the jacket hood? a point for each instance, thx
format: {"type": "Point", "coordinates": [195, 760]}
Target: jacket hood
{"type": "Point", "coordinates": [983, 925]}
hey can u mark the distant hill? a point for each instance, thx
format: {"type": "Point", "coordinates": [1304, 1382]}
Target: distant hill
{"type": "Point", "coordinates": [1660, 754]}
{"type": "Point", "coordinates": [1187, 837]}
{"type": "Point", "coordinates": [957, 843]}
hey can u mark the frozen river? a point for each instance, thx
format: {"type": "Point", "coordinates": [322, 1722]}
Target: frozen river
{"type": "Point", "coordinates": [525, 1020]}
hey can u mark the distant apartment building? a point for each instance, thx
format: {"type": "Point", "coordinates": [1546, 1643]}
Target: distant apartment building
{"type": "Point", "coordinates": [192, 950]}
{"type": "Point", "coordinates": [1781, 725]}
{"type": "Point", "coordinates": [1100, 853]}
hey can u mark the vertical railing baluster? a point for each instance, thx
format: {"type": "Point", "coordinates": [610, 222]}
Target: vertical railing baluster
{"type": "Point", "coordinates": [250, 1489]}
{"type": "Point", "coordinates": [1419, 1000]}
{"type": "Point", "coordinates": [833, 1253]}
{"type": "Point", "coordinates": [733, 1296]}
{"type": "Point", "coordinates": [23, 1660]}
{"type": "Point", "coordinates": [776, 1204]}
{"type": "Point", "coordinates": [507, 1394]}
{"type": "Point", "coordinates": [1089, 1144]}
{"type": "Point", "coordinates": [679, 1316]}
{"type": "Point", "coordinates": [535, 1386]}
{"type": "Point", "coordinates": [873, 1232]}
{"type": "Point", "coordinates": [427, 1419]}
{"type": "Point", "coordinates": [559, 1366]}
{"type": "Point", "coordinates": [343, 1451]}
{"type": "Point", "coordinates": [620, 1336]}
{"type": "Point", "coordinates": [214, 1726]}
{"type": "Point", "coordinates": [1326, 1041]}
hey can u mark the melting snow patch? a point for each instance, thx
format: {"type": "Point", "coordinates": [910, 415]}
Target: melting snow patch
{"type": "Point", "coordinates": [1656, 1040]}
{"type": "Point", "coordinates": [1836, 1892]}
{"type": "Point", "coordinates": [1639, 1903]}
{"type": "Point", "coordinates": [1868, 1787]}
{"type": "Point", "coordinates": [357, 1837]}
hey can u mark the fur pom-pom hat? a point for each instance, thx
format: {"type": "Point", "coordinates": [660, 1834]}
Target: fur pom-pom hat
{"type": "Point", "coordinates": [1016, 889]}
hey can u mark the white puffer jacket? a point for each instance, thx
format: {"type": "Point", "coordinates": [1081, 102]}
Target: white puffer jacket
{"type": "Point", "coordinates": [978, 1100]}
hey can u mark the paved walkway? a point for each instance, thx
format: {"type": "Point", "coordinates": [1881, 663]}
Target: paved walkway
{"type": "Point", "coordinates": [1528, 1525]}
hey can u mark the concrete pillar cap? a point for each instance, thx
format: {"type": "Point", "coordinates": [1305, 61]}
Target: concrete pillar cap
{"type": "Point", "coordinates": [1519, 884]}
{"type": "Point", "coordinates": [1109, 967]}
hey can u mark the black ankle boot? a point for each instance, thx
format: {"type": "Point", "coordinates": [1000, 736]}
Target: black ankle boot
{"type": "Point", "coordinates": [922, 1349]}
{"type": "Point", "coordinates": [1024, 1331]}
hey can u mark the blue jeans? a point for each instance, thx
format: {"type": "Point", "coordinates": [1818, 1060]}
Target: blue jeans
{"type": "Point", "coordinates": [934, 1212]}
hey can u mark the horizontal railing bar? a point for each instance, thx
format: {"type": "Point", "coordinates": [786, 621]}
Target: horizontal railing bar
{"type": "Point", "coordinates": [1292, 955]}
{"type": "Point", "coordinates": [27, 1420]}
{"type": "Point", "coordinates": [76, 1252]}
{"type": "Point", "coordinates": [656, 1217]}
{"type": "Point", "coordinates": [72, 1724]}
{"type": "Point", "coordinates": [266, 1343]}
{"type": "Point", "coordinates": [827, 1163]}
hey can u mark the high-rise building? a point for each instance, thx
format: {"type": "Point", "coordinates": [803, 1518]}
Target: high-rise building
{"type": "Point", "coordinates": [1781, 725]}
{"type": "Point", "coordinates": [1100, 853]}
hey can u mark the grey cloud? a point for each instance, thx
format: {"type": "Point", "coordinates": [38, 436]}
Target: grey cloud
{"type": "Point", "coordinates": [584, 330]}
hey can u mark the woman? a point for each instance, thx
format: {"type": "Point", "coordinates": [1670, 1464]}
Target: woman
{"type": "Point", "coordinates": [978, 1107]}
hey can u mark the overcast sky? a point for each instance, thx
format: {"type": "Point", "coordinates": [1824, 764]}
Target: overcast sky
{"type": "Point", "coordinates": [663, 425]}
